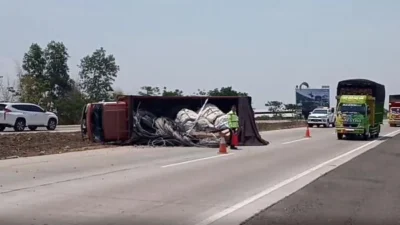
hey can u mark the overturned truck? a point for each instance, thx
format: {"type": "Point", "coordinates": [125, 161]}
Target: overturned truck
{"type": "Point", "coordinates": [169, 121]}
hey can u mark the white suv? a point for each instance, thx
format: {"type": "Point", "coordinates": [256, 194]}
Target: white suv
{"type": "Point", "coordinates": [321, 116]}
{"type": "Point", "coordinates": [21, 115]}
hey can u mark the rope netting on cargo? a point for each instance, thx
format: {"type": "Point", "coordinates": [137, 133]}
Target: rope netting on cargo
{"type": "Point", "coordinates": [148, 129]}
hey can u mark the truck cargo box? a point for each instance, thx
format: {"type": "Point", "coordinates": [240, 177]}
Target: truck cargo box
{"type": "Point", "coordinates": [112, 122]}
{"type": "Point", "coordinates": [394, 98]}
{"type": "Point", "coordinates": [362, 87]}
{"type": "Point", "coordinates": [170, 106]}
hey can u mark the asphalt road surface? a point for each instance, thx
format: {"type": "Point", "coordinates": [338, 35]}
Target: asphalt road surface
{"type": "Point", "coordinates": [174, 186]}
{"type": "Point", "coordinates": [363, 191]}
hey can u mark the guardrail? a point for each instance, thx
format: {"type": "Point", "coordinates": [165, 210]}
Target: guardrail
{"type": "Point", "coordinates": [280, 112]}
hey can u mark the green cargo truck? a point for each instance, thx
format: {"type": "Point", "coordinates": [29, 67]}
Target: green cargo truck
{"type": "Point", "coordinates": [359, 109]}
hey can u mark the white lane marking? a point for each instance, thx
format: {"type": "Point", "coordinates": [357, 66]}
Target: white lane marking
{"type": "Point", "coordinates": [196, 160]}
{"type": "Point", "coordinates": [247, 201]}
{"type": "Point", "coordinates": [289, 142]}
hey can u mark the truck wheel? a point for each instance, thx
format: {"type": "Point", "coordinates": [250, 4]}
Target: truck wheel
{"type": "Point", "coordinates": [310, 125]}
{"type": "Point", "coordinates": [2, 128]}
{"type": "Point", "coordinates": [325, 125]}
{"type": "Point", "coordinates": [366, 136]}
{"type": "Point", "coordinates": [339, 136]}
{"type": "Point", "coordinates": [378, 132]}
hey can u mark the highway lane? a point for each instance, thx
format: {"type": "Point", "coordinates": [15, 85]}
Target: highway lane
{"type": "Point", "coordinates": [161, 185]}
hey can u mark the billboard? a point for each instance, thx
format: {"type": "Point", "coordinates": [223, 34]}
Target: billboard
{"type": "Point", "coordinates": [310, 98]}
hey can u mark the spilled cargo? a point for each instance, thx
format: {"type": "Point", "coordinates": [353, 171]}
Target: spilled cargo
{"type": "Point", "coordinates": [169, 121]}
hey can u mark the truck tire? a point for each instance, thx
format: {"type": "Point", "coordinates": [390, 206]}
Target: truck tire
{"type": "Point", "coordinates": [378, 132]}
{"type": "Point", "coordinates": [339, 136]}
{"type": "Point", "coordinates": [2, 128]}
{"type": "Point", "coordinates": [366, 136]}
{"type": "Point", "coordinates": [310, 125]}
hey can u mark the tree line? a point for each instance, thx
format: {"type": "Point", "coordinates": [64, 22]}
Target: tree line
{"type": "Point", "coordinates": [44, 78]}
{"type": "Point", "coordinates": [157, 91]}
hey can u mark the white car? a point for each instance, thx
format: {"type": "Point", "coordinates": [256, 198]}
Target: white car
{"type": "Point", "coordinates": [321, 116]}
{"type": "Point", "coordinates": [21, 115]}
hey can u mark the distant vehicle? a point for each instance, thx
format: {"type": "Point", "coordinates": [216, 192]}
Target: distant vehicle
{"type": "Point", "coordinates": [22, 115]}
{"type": "Point", "coordinates": [321, 116]}
{"type": "Point", "coordinates": [359, 109]}
{"type": "Point", "coordinates": [394, 110]}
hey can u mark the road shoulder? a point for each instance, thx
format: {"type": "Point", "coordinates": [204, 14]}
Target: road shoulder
{"type": "Point", "coordinates": [361, 191]}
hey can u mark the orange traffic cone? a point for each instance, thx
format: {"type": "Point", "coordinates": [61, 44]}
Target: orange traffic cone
{"type": "Point", "coordinates": [222, 146]}
{"type": "Point", "coordinates": [308, 134]}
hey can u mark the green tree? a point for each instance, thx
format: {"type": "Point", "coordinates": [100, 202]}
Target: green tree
{"type": "Point", "coordinates": [116, 93]}
{"type": "Point", "coordinates": [57, 71]}
{"type": "Point", "coordinates": [225, 91]}
{"type": "Point", "coordinates": [274, 106]}
{"type": "Point", "coordinates": [32, 81]}
{"type": "Point", "coordinates": [176, 92]}
{"type": "Point", "coordinates": [98, 72]}
{"type": "Point", "coordinates": [156, 91]}
{"type": "Point", "coordinates": [291, 107]}
{"type": "Point", "coordinates": [149, 91]}
{"type": "Point", "coordinates": [200, 92]}
{"type": "Point", "coordinates": [69, 108]}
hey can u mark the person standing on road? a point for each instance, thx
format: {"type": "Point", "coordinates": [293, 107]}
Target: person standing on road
{"type": "Point", "coordinates": [233, 123]}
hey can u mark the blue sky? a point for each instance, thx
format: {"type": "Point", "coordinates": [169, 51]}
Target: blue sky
{"type": "Point", "coordinates": [263, 47]}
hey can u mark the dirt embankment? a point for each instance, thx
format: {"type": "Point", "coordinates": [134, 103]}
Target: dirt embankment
{"type": "Point", "coordinates": [43, 143]}
{"type": "Point", "coordinates": [46, 143]}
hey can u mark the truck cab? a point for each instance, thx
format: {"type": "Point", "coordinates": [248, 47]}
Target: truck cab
{"type": "Point", "coordinates": [321, 116]}
{"type": "Point", "coordinates": [394, 110]}
{"type": "Point", "coordinates": [356, 116]}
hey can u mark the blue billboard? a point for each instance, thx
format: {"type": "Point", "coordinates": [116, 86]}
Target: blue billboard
{"type": "Point", "coordinates": [310, 98]}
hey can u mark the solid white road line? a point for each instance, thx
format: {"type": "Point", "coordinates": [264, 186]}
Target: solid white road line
{"type": "Point", "coordinates": [239, 205]}
{"type": "Point", "coordinates": [289, 142]}
{"type": "Point", "coordinates": [196, 160]}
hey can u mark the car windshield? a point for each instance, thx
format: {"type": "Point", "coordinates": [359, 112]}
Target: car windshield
{"type": "Point", "coordinates": [352, 108]}
{"type": "Point", "coordinates": [395, 110]}
{"type": "Point", "coordinates": [320, 111]}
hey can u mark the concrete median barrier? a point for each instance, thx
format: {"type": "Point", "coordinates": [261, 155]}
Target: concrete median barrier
{"type": "Point", "coordinates": [280, 125]}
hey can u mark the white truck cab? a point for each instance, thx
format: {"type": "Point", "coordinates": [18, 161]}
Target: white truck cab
{"type": "Point", "coordinates": [322, 116]}
{"type": "Point", "coordinates": [21, 115]}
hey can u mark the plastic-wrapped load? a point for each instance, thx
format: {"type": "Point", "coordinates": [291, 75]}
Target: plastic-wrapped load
{"type": "Point", "coordinates": [185, 115]}
{"type": "Point", "coordinates": [221, 122]}
{"type": "Point", "coordinates": [203, 124]}
{"type": "Point", "coordinates": [211, 112]}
